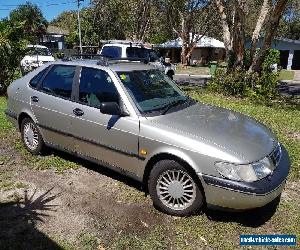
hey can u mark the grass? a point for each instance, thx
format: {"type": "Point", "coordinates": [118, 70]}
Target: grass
{"type": "Point", "coordinates": [192, 70]}
{"type": "Point", "coordinates": [6, 182]}
{"type": "Point", "coordinates": [197, 70]}
{"type": "Point", "coordinates": [286, 75]}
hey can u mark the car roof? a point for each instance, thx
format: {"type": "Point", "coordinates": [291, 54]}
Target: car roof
{"type": "Point", "coordinates": [113, 65]}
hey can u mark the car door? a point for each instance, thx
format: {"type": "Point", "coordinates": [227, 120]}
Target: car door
{"type": "Point", "coordinates": [51, 105]}
{"type": "Point", "coordinates": [110, 139]}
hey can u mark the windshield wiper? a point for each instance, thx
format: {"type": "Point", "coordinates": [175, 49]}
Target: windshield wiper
{"type": "Point", "coordinates": [173, 104]}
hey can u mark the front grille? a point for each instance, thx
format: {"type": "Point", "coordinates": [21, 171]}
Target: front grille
{"type": "Point", "coordinates": [275, 156]}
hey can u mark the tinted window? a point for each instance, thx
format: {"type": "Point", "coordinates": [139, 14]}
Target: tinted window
{"type": "Point", "coordinates": [95, 87]}
{"type": "Point", "coordinates": [111, 51]}
{"type": "Point", "coordinates": [37, 78]}
{"type": "Point", "coordinates": [59, 81]}
{"type": "Point", "coordinates": [135, 52]}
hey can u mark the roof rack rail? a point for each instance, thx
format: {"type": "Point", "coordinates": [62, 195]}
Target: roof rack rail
{"type": "Point", "coordinates": [85, 56]}
{"type": "Point", "coordinates": [105, 61]}
{"type": "Point", "coordinates": [122, 42]}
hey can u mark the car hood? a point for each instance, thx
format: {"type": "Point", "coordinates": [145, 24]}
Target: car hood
{"type": "Point", "coordinates": [223, 128]}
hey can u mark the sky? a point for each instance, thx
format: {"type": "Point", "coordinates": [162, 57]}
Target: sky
{"type": "Point", "coordinates": [50, 8]}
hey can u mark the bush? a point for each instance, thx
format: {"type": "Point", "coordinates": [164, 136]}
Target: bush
{"type": "Point", "coordinates": [240, 82]}
{"type": "Point", "coordinates": [12, 50]}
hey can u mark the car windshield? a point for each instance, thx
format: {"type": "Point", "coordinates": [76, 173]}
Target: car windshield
{"type": "Point", "coordinates": [151, 90]}
{"type": "Point", "coordinates": [39, 51]}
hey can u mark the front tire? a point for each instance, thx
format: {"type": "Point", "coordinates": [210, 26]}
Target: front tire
{"type": "Point", "coordinates": [31, 136]}
{"type": "Point", "coordinates": [174, 189]}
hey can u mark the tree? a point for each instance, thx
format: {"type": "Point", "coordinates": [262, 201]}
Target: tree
{"type": "Point", "coordinates": [289, 26]}
{"type": "Point", "coordinates": [31, 16]}
{"type": "Point", "coordinates": [233, 17]}
{"type": "Point", "coordinates": [12, 50]}
{"type": "Point", "coordinates": [271, 28]}
{"type": "Point", "coordinates": [190, 20]}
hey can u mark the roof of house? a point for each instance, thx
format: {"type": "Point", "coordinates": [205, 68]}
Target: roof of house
{"type": "Point", "coordinates": [56, 30]}
{"type": "Point", "coordinates": [283, 39]}
{"type": "Point", "coordinates": [204, 42]}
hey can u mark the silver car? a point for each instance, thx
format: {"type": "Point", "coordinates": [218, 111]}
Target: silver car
{"type": "Point", "coordinates": [132, 118]}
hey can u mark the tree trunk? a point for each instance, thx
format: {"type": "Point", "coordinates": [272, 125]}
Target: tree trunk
{"type": "Point", "coordinates": [238, 39]}
{"type": "Point", "coordinates": [270, 32]}
{"type": "Point", "coordinates": [226, 31]}
{"type": "Point", "coordinates": [265, 8]}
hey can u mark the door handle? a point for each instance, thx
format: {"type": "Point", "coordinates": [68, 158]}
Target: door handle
{"type": "Point", "coordinates": [34, 99]}
{"type": "Point", "coordinates": [78, 112]}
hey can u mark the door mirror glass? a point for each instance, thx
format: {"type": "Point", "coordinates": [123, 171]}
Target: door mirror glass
{"type": "Point", "coordinates": [110, 108]}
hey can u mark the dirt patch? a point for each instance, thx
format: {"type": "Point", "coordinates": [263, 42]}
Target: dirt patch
{"type": "Point", "coordinates": [294, 135]}
{"type": "Point", "coordinates": [90, 207]}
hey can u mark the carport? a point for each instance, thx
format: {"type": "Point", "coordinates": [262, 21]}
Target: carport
{"type": "Point", "coordinates": [289, 52]}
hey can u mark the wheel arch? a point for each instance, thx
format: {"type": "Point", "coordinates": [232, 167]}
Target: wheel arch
{"type": "Point", "coordinates": [22, 116]}
{"type": "Point", "coordinates": [184, 161]}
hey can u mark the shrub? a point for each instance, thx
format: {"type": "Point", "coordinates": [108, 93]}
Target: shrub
{"type": "Point", "coordinates": [12, 50]}
{"type": "Point", "coordinates": [242, 83]}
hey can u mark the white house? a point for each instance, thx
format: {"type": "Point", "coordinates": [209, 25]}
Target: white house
{"type": "Point", "coordinates": [207, 49]}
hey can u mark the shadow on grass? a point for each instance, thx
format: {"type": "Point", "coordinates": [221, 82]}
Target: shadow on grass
{"type": "Point", "coordinates": [18, 222]}
{"type": "Point", "coordinates": [249, 218]}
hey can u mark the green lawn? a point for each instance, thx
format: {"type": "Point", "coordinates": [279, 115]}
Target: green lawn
{"type": "Point", "coordinates": [197, 70]}
{"type": "Point", "coordinates": [192, 70]}
{"type": "Point", "coordinates": [286, 75]}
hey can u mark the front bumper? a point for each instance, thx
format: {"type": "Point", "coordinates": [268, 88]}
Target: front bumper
{"type": "Point", "coordinates": [226, 193]}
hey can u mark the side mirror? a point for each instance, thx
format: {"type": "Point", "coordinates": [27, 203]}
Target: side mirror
{"type": "Point", "coordinates": [110, 108]}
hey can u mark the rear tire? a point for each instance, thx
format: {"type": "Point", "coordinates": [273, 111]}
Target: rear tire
{"type": "Point", "coordinates": [174, 189]}
{"type": "Point", "coordinates": [31, 136]}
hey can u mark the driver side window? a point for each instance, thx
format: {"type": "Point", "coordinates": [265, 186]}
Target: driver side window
{"type": "Point", "coordinates": [95, 87]}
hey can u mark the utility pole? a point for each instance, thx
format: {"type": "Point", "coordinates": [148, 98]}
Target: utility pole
{"type": "Point", "coordinates": [79, 26]}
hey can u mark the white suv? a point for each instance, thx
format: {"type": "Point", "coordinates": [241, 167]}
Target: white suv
{"type": "Point", "coordinates": [126, 49]}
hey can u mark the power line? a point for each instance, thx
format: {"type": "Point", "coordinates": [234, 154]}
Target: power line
{"type": "Point", "coordinates": [39, 5]}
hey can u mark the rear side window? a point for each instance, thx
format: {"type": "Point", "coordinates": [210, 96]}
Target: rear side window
{"type": "Point", "coordinates": [135, 52]}
{"type": "Point", "coordinates": [37, 78]}
{"type": "Point", "coordinates": [111, 51]}
{"type": "Point", "coordinates": [96, 86]}
{"type": "Point", "coordinates": [59, 81]}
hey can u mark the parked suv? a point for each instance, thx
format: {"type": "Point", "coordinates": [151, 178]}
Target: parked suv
{"type": "Point", "coordinates": [126, 49]}
{"type": "Point", "coordinates": [132, 118]}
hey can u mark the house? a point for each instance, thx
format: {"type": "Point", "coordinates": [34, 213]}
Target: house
{"type": "Point", "coordinates": [289, 52]}
{"type": "Point", "coordinates": [207, 49]}
{"type": "Point", "coordinates": [54, 38]}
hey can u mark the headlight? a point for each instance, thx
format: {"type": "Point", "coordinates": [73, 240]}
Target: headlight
{"type": "Point", "coordinates": [248, 173]}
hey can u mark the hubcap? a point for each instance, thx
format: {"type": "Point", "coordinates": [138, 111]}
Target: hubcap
{"type": "Point", "coordinates": [176, 189]}
{"type": "Point", "coordinates": [31, 136]}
